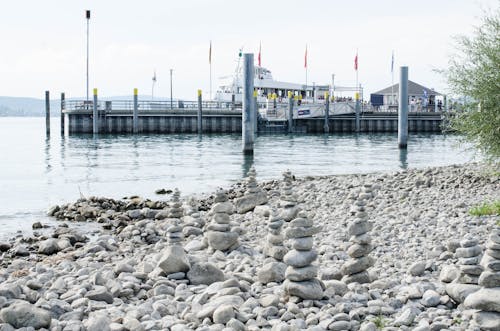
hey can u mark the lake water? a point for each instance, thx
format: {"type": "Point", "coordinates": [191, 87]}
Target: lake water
{"type": "Point", "coordinates": [37, 172]}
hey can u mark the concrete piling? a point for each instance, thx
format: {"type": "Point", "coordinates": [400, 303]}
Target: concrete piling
{"type": "Point", "coordinates": [358, 112]}
{"type": "Point", "coordinates": [199, 121]}
{"type": "Point", "coordinates": [403, 108]}
{"type": "Point", "coordinates": [326, 126]}
{"type": "Point", "coordinates": [47, 112]}
{"type": "Point", "coordinates": [135, 118]}
{"type": "Point", "coordinates": [290, 112]}
{"type": "Point", "coordinates": [248, 107]}
{"type": "Point", "coordinates": [63, 99]}
{"type": "Point", "coordinates": [95, 114]}
{"type": "Point", "coordinates": [256, 111]}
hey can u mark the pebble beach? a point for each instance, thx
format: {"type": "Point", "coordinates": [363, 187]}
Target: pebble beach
{"type": "Point", "coordinates": [378, 251]}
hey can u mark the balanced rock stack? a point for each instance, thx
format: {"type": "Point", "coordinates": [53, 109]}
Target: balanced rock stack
{"type": "Point", "coordinates": [288, 199]}
{"type": "Point", "coordinates": [193, 217]}
{"type": "Point", "coordinates": [300, 274]}
{"type": "Point", "coordinates": [487, 299]}
{"type": "Point", "coordinates": [254, 195]}
{"type": "Point", "coordinates": [354, 270]}
{"type": "Point", "coordinates": [274, 246]}
{"type": "Point", "coordinates": [469, 256]}
{"type": "Point", "coordinates": [174, 259]}
{"type": "Point", "coordinates": [219, 233]}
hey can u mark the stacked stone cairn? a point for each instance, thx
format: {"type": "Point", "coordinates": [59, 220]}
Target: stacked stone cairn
{"type": "Point", "coordinates": [193, 217]}
{"type": "Point", "coordinates": [274, 246]}
{"type": "Point", "coordinates": [301, 276]}
{"type": "Point", "coordinates": [174, 259]}
{"type": "Point", "coordinates": [469, 256]}
{"type": "Point", "coordinates": [220, 237]}
{"type": "Point", "coordinates": [355, 270]}
{"type": "Point", "coordinates": [487, 299]}
{"type": "Point", "coordinates": [288, 199]}
{"type": "Point", "coordinates": [254, 195]}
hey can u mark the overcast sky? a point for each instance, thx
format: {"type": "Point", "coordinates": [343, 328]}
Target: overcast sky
{"type": "Point", "coordinates": [44, 42]}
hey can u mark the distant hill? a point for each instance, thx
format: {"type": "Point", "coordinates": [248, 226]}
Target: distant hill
{"type": "Point", "coordinates": [29, 107]}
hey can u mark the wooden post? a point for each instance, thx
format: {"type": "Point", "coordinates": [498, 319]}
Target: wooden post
{"type": "Point", "coordinates": [63, 106]}
{"type": "Point", "coordinates": [47, 113]}
{"type": "Point", "coordinates": [248, 108]}
{"type": "Point", "coordinates": [290, 112]}
{"type": "Point", "coordinates": [200, 113]}
{"type": "Point", "coordinates": [95, 114]}
{"type": "Point", "coordinates": [403, 108]}
{"type": "Point", "coordinates": [135, 119]}
{"type": "Point", "coordinates": [326, 126]}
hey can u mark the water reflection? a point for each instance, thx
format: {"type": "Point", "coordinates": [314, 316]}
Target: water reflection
{"type": "Point", "coordinates": [48, 166]}
{"type": "Point", "coordinates": [403, 158]}
{"type": "Point", "coordinates": [248, 162]}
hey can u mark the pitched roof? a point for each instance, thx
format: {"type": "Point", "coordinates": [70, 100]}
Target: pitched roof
{"type": "Point", "coordinates": [413, 89]}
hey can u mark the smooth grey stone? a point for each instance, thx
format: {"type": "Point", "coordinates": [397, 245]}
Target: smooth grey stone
{"type": "Point", "coordinates": [468, 252]}
{"type": "Point", "coordinates": [469, 260]}
{"type": "Point", "coordinates": [469, 242]}
{"type": "Point", "coordinates": [221, 218]}
{"type": "Point", "coordinates": [268, 300]}
{"type": "Point", "coordinates": [299, 232]}
{"type": "Point", "coordinates": [340, 326]}
{"type": "Point", "coordinates": [357, 250]}
{"type": "Point", "coordinates": [204, 273]}
{"type": "Point", "coordinates": [335, 287]}
{"type": "Point", "coordinates": [491, 245]}
{"type": "Point", "coordinates": [209, 308]}
{"type": "Point", "coordinates": [491, 263]}
{"type": "Point", "coordinates": [302, 244]}
{"type": "Point", "coordinates": [354, 266]}
{"type": "Point", "coordinates": [275, 239]}
{"type": "Point", "coordinates": [100, 293]}
{"type": "Point", "coordinates": [222, 240]}
{"type": "Point", "coordinates": [489, 279]}
{"type": "Point", "coordinates": [276, 224]}
{"type": "Point", "coordinates": [273, 272]}
{"type": "Point", "coordinates": [493, 253]}
{"type": "Point", "coordinates": [417, 268]}
{"type": "Point", "coordinates": [487, 299]}
{"type": "Point", "coordinates": [301, 274]}
{"type": "Point", "coordinates": [22, 314]}
{"type": "Point", "coordinates": [223, 314]}
{"type": "Point", "coordinates": [448, 274]}
{"type": "Point", "coordinates": [474, 270]}
{"type": "Point", "coordinates": [97, 322]}
{"type": "Point", "coordinates": [306, 290]}
{"type": "Point", "coordinates": [430, 298]}
{"type": "Point", "coordinates": [4, 246]}
{"type": "Point", "coordinates": [48, 247]}
{"type": "Point", "coordinates": [487, 321]}
{"type": "Point", "coordinates": [407, 316]}
{"type": "Point", "coordinates": [359, 227]}
{"type": "Point", "coordinates": [363, 239]}
{"type": "Point", "coordinates": [360, 277]}
{"type": "Point", "coordinates": [219, 227]}
{"type": "Point", "coordinates": [495, 237]}
{"type": "Point", "coordinates": [10, 291]}
{"type": "Point", "coordinates": [174, 259]}
{"type": "Point", "coordinates": [297, 258]}
{"type": "Point", "coordinates": [301, 222]}
{"type": "Point", "coordinates": [223, 207]}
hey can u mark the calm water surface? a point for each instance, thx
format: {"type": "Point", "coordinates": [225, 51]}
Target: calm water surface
{"type": "Point", "coordinates": [37, 172]}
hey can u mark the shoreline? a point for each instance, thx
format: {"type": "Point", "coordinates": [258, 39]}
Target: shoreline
{"type": "Point", "coordinates": [418, 216]}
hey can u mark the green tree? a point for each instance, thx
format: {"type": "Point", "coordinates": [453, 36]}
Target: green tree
{"type": "Point", "coordinates": [474, 72]}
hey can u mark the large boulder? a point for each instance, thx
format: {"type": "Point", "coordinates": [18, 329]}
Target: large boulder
{"type": "Point", "coordinates": [222, 241]}
{"type": "Point", "coordinates": [486, 299]}
{"type": "Point", "coordinates": [306, 290]}
{"type": "Point", "coordinates": [22, 314]}
{"type": "Point", "coordinates": [273, 272]}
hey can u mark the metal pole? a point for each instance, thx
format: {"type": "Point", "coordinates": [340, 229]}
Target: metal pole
{"type": "Point", "coordinates": [248, 107]}
{"type": "Point", "coordinates": [326, 126]}
{"type": "Point", "coordinates": [290, 112]}
{"type": "Point", "coordinates": [63, 98]}
{"type": "Point", "coordinates": [47, 113]}
{"type": "Point", "coordinates": [358, 113]}
{"type": "Point", "coordinates": [200, 117]}
{"type": "Point", "coordinates": [171, 100]}
{"type": "Point", "coordinates": [87, 15]}
{"type": "Point", "coordinates": [256, 111]}
{"type": "Point", "coordinates": [95, 114]}
{"type": "Point", "coordinates": [135, 120]}
{"type": "Point", "coordinates": [403, 108]}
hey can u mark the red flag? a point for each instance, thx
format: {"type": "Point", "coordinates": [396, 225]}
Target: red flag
{"type": "Point", "coordinates": [305, 59]}
{"type": "Point", "coordinates": [258, 58]}
{"type": "Point", "coordinates": [210, 53]}
{"type": "Point", "coordinates": [356, 62]}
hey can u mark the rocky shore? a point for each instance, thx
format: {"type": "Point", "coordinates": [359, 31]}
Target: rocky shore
{"type": "Point", "coordinates": [386, 251]}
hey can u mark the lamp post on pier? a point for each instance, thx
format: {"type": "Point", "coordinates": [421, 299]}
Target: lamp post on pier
{"type": "Point", "coordinates": [87, 16]}
{"type": "Point", "coordinates": [171, 100]}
